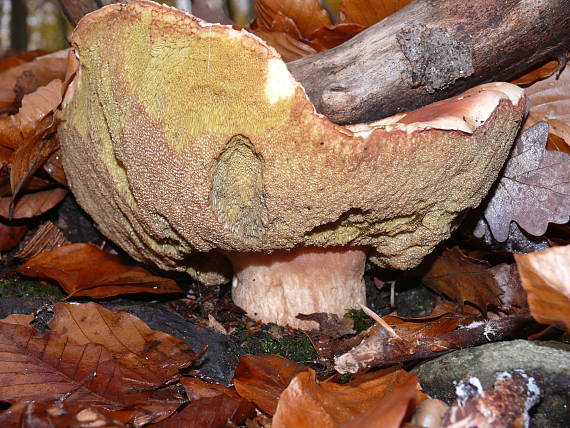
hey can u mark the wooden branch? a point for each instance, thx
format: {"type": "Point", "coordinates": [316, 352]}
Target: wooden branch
{"type": "Point", "coordinates": [74, 10]}
{"type": "Point", "coordinates": [427, 51]}
{"type": "Point", "coordinates": [431, 50]}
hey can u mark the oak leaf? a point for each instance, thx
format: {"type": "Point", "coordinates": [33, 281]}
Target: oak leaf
{"type": "Point", "coordinates": [533, 190]}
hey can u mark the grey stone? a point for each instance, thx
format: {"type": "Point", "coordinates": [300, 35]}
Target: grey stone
{"type": "Point", "coordinates": [547, 362]}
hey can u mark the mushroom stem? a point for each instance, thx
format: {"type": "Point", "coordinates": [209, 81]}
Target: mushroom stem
{"type": "Point", "coordinates": [276, 287]}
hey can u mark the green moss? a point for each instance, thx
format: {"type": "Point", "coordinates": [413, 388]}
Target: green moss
{"type": "Point", "coordinates": [18, 288]}
{"type": "Point", "coordinates": [361, 320]}
{"type": "Point", "coordinates": [295, 347]}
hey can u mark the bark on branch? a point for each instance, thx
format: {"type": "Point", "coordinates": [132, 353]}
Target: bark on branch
{"type": "Point", "coordinates": [431, 50]}
{"type": "Point", "coordinates": [427, 51]}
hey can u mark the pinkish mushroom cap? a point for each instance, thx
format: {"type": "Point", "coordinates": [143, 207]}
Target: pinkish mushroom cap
{"type": "Point", "coordinates": [190, 144]}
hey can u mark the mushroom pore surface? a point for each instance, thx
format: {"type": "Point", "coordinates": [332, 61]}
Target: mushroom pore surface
{"type": "Point", "coordinates": [186, 140]}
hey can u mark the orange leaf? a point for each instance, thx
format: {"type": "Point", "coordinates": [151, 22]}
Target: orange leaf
{"type": "Point", "coordinates": [46, 366]}
{"type": "Point", "coordinates": [329, 37]}
{"type": "Point", "coordinates": [10, 236]}
{"type": "Point", "coordinates": [27, 77]}
{"type": "Point", "coordinates": [308, 15]}
{"type": "Point", "coordinates": [124, 335]}
{"type": "Point", "coordinates": [54, 167]}
{"type": "Point", "coordinates": [262, 378]}
{"type": "Point", "coordinates": [85, 270]}
{"type": "Point", "coordinates": [288, 47]}
{"type": "Point", "coordinates": [369, 12]}
{"type": "Point", "coordinates": [32, 204]}
{"type": "Point", "coordinates": [211, 406]}
{"type": "Point", "coordinates": [307, 400]}
{"type": "Point", "coordinates": [545, 277]}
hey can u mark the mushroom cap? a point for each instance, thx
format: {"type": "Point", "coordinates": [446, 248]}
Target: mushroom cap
{"type": "Point", "coordinates": [182, 137]}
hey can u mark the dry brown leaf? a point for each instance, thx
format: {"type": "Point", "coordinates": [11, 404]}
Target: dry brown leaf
{"type": "Point", "coordinates": [211, 406]}
{"type": "Point", "coordinates": [46, 237]}
{"type": "Point", "coordinates": [19, 319]}
{"type": "Point", "coordinates": [85, 270]}
{"type": "Point", "coordinates": [467, 279]}
{"type": "Point", "coordinates": [36, 106]}
{"type": "Point", "coordinates": [262, 378]}
{"type": "Point", "coordinates": [20, 58]}
{"type": "Point", "coordinates": [46, 366]}
{"type": "Point", "coordinates": [27, 77]}
{"type": "Point", "coordinates": [288, 47]}
{"type": "Point", "coordinates": [549, 100]}
{"type": "Point", "coordinates": [32, 204]}
{"type": "Point", "coordinates": [368, 12]}
{"type": "Point", "coordinates": [28, 159]}
{"type": "Point", "coordinates": [10, 236]}
{"type": "Point", "coordinates": [545, 276]}
{"type": "Point", "coordinates": [54, 167]}
{"type": "Point", "coordinates": [325, 38]}
{"type": "Point", "coordinates": [308, 15]}
{"type": "Point", "coordinates": [124, 335]}
{"type": "Point", "coordinates": [307, 400]}
{"type": "Point", "coordinates": [557, 143]}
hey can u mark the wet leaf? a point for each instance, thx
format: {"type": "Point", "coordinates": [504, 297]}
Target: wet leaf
{"type": "Point", "coordinates": [369, 12]}
{"type": "Point", "coordinates": [467, 279]}
{"type": "Point", "coordinates": [84, 270]}
{"type": "Point", "coordinates": [308, 15]}
{"type": "Point", "coordinates": [32, 204]}
{"type": "Point", "coordinates": [533, 190]}
{"type": "Point", "coordinates": [307, 400]}
{"type": "Point", "coordinates": [47, 365]}
{"type": "Point", "coordinates": [262, 378]}
{"type": "Point", "coordinates": [545, 276]}
{"type": "Point", "coordinates": [124, 335]}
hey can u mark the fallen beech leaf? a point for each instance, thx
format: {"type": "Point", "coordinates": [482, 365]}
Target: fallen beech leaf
{"type": "Point", "coordinates": [262, 378]}
{"type": "Point", "coordinates": [85, 270]}
{"type": "Point", "coordinates": [46, 366]}
{"type": "Point", "coordinates": [325, 38]}
{"type": "Point", "coordinates": [20, 58]}
{"type": "Point", "coordinates": [19, 319]}
{"type": "Point", "coordinates": [121, 333]}
{"type": "Point", "coordinates": [545, 276]}
{"type": "Point", "coordinates": [288, 47]}
{"type": "Point", "coordinates": [27, 77]}
{"type": "Point", "coordinates": [467, 279]}
{"type": "Point", "coordinates": [32, 204]}
{"type": "Point", "coordinates": [28, 159]}
{"type": "Point", "coordinates": [211, 406]}
{"type": "Point", "coordinates": [308, 15]}
{"type": "Point", "coordinates": [10, 236]}
{"type": "Point", "coordinates": [557, 143]}
{"type": "Point", "coordinates": [306, 400]}
{"type": "Point", "coordinates": [58, 413]}
{"type": "Point", "coordinates": [542, 72]}
{"type": "Point", "coordinates": [37, 105]}
{"type": "Point", "coordinates": [391, 410]}
{"type": "Point", "coordinates": [533, 190]}
{"type": "Point", "coordinates": [549, 100]}
{"type": "Point", "coordinates": [54, 167]}
{"type": "Point", "coordinates": [369, 12]}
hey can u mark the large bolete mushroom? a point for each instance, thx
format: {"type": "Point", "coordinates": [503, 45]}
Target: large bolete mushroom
{"type": "Point", "coordinates": [191, 144]}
